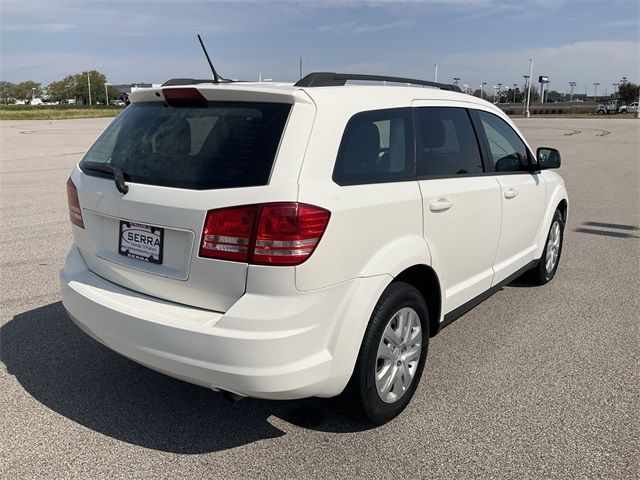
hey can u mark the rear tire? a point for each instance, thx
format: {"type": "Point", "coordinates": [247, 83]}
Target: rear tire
{"type": "Point", "coordinates": [547, 266]}
{"type": "Point", "coordinates": [392, 355]}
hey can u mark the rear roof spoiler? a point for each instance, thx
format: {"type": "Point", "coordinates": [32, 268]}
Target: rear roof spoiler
{"type": "Point", "coordinates": [186, 81]}
{"type": "Point", "coordinates": [332, 79]}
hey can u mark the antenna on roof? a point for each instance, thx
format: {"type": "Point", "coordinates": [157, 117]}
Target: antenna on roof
{"type": "Point", "coordinates": [216, 78]}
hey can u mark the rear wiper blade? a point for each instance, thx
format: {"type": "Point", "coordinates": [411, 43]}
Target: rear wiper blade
{"type": "Point", "coordinates": [118, 174]}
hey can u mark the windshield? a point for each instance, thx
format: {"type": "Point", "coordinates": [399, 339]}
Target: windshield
{"type": "Point", "coordinates": [221, 145]}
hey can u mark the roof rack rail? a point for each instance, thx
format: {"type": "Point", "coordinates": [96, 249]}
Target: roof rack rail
{"type": "Point", "coordinates": [332, 79]}
{"type": "Point", "coordinates": [188, 81]}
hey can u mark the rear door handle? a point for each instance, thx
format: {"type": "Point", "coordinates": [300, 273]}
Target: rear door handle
{"type": "Point", "coordinates": [510, 193]}
{"type": "Point", "coordinates": [440, 204]}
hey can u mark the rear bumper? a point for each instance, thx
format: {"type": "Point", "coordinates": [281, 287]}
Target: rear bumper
{"type": "Point", "coordinates": [285, 346]}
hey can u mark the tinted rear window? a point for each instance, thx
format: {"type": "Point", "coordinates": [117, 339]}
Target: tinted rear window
{"type": "Point", "coordinates": [221, 145]}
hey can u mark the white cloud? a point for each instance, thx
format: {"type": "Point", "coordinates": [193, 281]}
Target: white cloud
{"type": "Point", "coordinates": [40, 27]}
{"type": "Point", "coordinates": [629, 22]}
{"type": "Point", "coordinates": [355, 27]}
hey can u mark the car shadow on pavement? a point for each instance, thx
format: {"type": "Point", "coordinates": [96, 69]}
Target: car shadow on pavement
{"type": "Point", "coordinates": [79, 378]}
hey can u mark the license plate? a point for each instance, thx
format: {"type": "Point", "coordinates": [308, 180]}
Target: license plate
{"type": "Point", "coordinates": [140, 242]}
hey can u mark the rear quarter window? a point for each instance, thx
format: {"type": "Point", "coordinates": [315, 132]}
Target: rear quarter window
{"type": "Point", "coordinates": [376, 147]}
{"type": "Point", "coordinates": [220, 145]}
{"type": "Point", "coordinates": [447, 143]}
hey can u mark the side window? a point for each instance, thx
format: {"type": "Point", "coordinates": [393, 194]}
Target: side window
{"type": "Point", "coordinates": [448, 143]}
{"type": "Point", "coordinates": [376, 148]}
{"type": "Point", "coordinates": [508, 151]}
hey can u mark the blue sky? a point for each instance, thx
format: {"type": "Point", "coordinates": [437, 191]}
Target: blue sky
{"type": "Point", "coordinates": [477, 40]}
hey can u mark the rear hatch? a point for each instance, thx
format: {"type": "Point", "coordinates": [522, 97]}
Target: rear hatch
{"type": "Point", "coordinates": [182, 152]}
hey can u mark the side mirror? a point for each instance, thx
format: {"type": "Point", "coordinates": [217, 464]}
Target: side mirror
{"type": "Point", "coordinates": [548, 158]}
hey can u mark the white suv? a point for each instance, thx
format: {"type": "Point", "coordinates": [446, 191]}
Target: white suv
{"type": "Point", "coordinates": [286, 241]}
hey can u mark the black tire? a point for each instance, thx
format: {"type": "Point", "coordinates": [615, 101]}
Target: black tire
{"type": "Point", "coordinates": [361, 391]}
{"type": "Point", "coordinates": [539, 274]}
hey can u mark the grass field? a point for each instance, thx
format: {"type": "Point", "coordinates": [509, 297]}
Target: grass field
{"type": "Point", "coordinates": [56, 112]}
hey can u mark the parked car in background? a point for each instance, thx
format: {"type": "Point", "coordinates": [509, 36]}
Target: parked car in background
{"type": "Point", "coordinates": [283, 241]}
{"type": "Point", "coordinates": [631, 108]}
{"type": "Point", "coordinates": [119, 103]}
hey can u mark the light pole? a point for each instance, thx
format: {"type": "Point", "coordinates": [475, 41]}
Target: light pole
{"type": "Point", "coordinates": [495, 95]}
{"type": "Point", "coordinates": [33, 95]}
{"type": "Point", "coordinates": [515, 85]}
{"type": "Point", "coordinates": [435, 75]}
{"type": "Point", "coordinates": [482, 89]}
{"type": "Point", "coordinates": [499, 92]}
{"type": "Point", "coordinates": [595, 92]}
{"type": "Point", "coordinates": [300, 64]}
{"type": "Point", "coordinates": [89, 84]}
{"type": "Point", "coordinates": [456, 80]}
{"type": "Point", "coordinates": [527, 113]}
{"type": "Point", "coordinates": [106, 93]}
{"type": "Point", "coordinates": [572, 84]}
{"type": "Point", "coordinates": [615, 92]}
{"type": "Point", "coordinates": [466, 88]}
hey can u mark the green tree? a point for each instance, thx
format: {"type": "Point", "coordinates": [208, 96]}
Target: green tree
{"type": "Point", "coordinates": [25, 90]}
{"type": "Point", "coordinates": [114, 93]}
{"type": "Point", "coordinates": [628, 92]}
{"type": "Point", "coordinates": [7, 92]}
{"type": "Point", "coordinates": [77, 87]}
{"type": "Point", "coordinates": [97, 81]}
{"type": "Point", "coordinates": [62, 89]}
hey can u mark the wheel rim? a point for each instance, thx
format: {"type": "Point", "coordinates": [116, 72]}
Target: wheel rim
{"type": "Point", "coordinates": [553, 247]}
{"type": "Point", "coordinates": [398, 355]}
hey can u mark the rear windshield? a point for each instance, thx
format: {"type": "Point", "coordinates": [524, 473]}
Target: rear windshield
{"type": "Point", "coordinates": [220, 145]}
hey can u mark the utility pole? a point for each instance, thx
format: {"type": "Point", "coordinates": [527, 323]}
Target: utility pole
{"type": "Point", "coordinates": [572, 84]}
{"type": "Point", "coordinates": [595, 93]}
{"type": "Point", "coordinates": [89, 84]}
{"type": "Point", "coordinates": [435, 76]}
{"type": "Point", "coordinates": [527, 113]}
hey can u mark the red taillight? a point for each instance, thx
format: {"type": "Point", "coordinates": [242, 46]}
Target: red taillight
{"type": "Point", "coordinates": [75, 213]}
{"type": "Point", "coordinates": [288, 233]}
{"type": "Point", "coordinates": [227, 233]}
{"type": "Point", "coordinates": [269, 234]}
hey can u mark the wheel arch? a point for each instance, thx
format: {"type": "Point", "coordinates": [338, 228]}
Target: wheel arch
{"type": "Point", "coordinates": [563, 206]}
{"type": "Point", "coordinates": [425, 280]}
{"type": "Point", "coordinates": [557, 198]}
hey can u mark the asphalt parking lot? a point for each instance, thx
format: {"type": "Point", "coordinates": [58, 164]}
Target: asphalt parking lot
{"type": "Point", "coordinates": [536, 382]}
